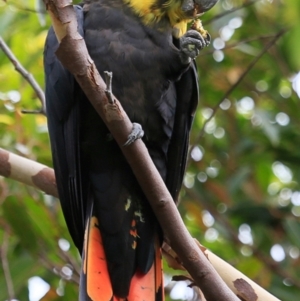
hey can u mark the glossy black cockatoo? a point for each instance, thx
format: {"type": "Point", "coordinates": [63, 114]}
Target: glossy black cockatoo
{"type": "Point", "coordinates": [145, 43]}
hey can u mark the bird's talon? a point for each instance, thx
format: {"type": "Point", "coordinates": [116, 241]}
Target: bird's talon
{"type": "Point", "coordinates": [136, 133]}
{"type": "Point", "coordinates": [207, 39]}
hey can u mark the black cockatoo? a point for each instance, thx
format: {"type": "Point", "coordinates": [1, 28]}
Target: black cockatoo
{"type": "Point", "coordinates": [145, 43]}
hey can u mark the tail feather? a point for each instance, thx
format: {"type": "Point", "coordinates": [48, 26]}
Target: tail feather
{"type": "Point", "coordinates": [148, 287]}
{"type": "Point", "coordinates": [159, 280]}
{"type": "Point", "coordinates": [95, 283]}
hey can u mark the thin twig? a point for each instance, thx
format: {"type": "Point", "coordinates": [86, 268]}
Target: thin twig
{"type": "Point", "coordinates": [28, 77]}
{"type": "Point", "coordinates": [56, 269]}
{"type": "Point", "coordinates": [221, 15]}
{"type": "Point", "coordinates": [66, 256]}
{"type": "Point", "coordinates": [232, 235]}
{"type": "Point", "coordinates": [24, 8]}
{"type": "Point", "coordinates": [241, 42]}
{"type": "Point", "coordinates": [233, 87]}
{"type": "Point", "coordinates": [5, 266]}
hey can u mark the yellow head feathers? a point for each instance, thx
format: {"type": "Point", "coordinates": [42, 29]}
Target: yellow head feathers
{"type": "Point", "coordinates": [150, 12]}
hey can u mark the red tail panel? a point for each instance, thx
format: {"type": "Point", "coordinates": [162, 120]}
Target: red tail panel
{"type": "Point", "coordinates": [118, 299]}
{"type": "Point", "coordinates": [98, 283]}
{"type": "Point", "coordinates": [148, 287]}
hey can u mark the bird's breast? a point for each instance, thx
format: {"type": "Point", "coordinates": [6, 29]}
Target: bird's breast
{"type": "Point", "coordinates": [139, 58]}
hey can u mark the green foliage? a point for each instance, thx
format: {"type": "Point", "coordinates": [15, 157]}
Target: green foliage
{"type": "Point", "coordinates": [241, 195]}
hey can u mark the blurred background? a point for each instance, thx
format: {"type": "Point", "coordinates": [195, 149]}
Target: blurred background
{"type": "Point", "coordinates": [241, 193]}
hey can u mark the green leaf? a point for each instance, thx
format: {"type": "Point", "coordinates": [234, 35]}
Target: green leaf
{"type": "Point", "coordinates": [15, 213]}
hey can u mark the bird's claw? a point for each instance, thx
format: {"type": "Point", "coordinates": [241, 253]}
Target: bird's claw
{"type": "Point", "coordinates": [191, 44]}
{"type": "Point", "coordinates": [136, 133]}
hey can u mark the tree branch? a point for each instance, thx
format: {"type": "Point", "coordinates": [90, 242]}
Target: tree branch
{"type": "Point", "coordinates": [230, 11]}
{"type": "Point", "coordinates": [28, 77]}
{"type": "Point", "coordinates": [27, 172]}
{"type": "Point", "coordinates": [236, 44]}
{"type": "Point", "coordinates": [23, 170]}
{"type": "Point", "coordinates": [234, 86]}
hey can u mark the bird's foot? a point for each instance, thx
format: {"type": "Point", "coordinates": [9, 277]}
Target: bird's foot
{"type": "Point", "coordinates": [136, 133]}
{"type": "Point", "coordinates": [191, 43]}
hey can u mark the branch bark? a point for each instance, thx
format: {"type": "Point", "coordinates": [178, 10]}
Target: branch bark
{"type": "Point", "coordinates": [27, 172]}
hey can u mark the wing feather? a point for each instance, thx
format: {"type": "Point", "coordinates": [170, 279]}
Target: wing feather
{"type": "Point", "coordinates": [187, 100]}
{"type": "Point", "coordinates": [63, 97]}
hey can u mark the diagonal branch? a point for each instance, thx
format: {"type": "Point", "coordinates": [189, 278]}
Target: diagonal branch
{"type": "Point", "coordinates": [42, 177]}
{"type": "Point", "coordinates": [28, 77]}
{"type": "Point", "coordinates": [24, 8]}
{"type": "Point", "coordinates": [233, 87]}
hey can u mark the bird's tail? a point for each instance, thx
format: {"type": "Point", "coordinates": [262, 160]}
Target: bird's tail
{"type": "Point", "coordinates": [95, 283]}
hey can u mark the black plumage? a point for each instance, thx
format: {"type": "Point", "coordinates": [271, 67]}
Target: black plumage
{"type": "Point", "coordinates": [156, 90]}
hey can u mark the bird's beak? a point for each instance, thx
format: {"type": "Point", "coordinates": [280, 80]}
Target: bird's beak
{"type": "Point", "coordinates": [197, 7]}
{"type": "Point", "coordinates": [188, 5]}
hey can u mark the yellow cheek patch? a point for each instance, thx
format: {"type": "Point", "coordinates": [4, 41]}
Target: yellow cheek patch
{"type": "Point", "coordinates": [150, 12]}
{"type": "Point", "coordinates": [141, 8]}
{"type": "Point", "coordinates": [180, 29]}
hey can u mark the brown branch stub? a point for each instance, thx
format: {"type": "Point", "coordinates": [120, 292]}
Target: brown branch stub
{"type": "Point", "coordinates": [28, 172]}
{"type": "Point", "coordinates": [245, 290]}
{"type": "Point", "coordinates": [4, 163]}
{"type": "Point", "coordinates": [45, 181]}
{"type": "Point", "coordinates": [229, 274]}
